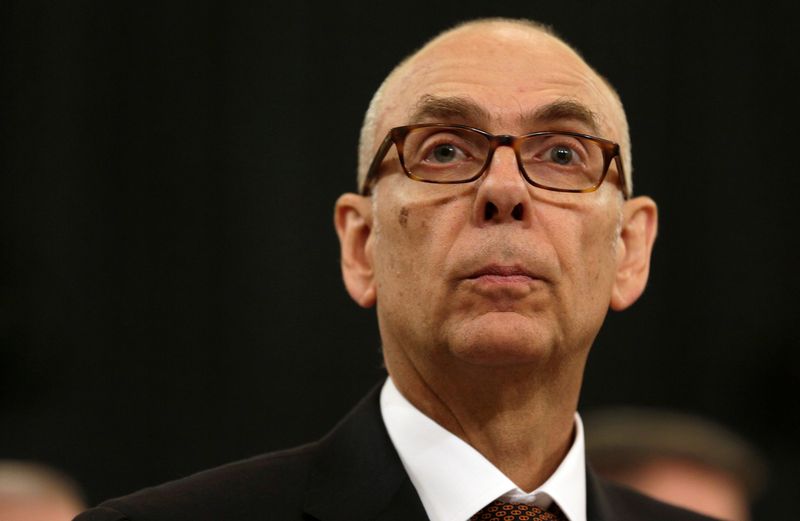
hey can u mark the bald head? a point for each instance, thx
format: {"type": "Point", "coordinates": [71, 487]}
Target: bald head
{"type": "Point", "coordinates": [515, 52]}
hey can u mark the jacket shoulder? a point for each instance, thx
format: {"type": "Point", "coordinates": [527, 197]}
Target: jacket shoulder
{"type": "Point", "coordinates": [273, 483]}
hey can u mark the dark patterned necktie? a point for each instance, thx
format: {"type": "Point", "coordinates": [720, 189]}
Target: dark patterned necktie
{"type": "Point", "coordinates": [502, 511]}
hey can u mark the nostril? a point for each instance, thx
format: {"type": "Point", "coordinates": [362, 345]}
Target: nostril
{"type": "Point", "coordinates": [489, 211]}
{"type": "Point", "coordinates": [516, 213]}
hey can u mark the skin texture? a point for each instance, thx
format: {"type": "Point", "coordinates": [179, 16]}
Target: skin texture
{"type": "Point", "coordinates": [489, 294]}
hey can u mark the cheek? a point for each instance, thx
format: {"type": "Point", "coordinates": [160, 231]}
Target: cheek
{"type": "Point", "coordinates": [413, 238]}
{"type": "Point", "coordinates": [402, 217]}
{"type": "Point", "coordinates": [584, 241]}
{"type": "Point", "coordinates": [401, 234]}
{"type": "Point", "coordinates": [416, 225]}
{"type": "Point", "coordinates": [600, 254]}
{"type": "Point", "coordinates": [406, 253]}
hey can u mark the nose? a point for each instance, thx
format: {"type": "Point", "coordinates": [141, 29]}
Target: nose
{"type": "Point", "coordinates": [503, 195]}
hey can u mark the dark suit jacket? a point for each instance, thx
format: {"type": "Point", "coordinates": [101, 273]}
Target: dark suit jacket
{"type": "Point", "coordinates": [352, 474]}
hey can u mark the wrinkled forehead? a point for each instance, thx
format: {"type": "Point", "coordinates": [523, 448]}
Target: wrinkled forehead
{"type": "Point", "coordinates": [502, 78]}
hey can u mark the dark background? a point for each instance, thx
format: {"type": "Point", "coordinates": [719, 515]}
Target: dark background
{"type": "Point", "coordinates": [170, 296]}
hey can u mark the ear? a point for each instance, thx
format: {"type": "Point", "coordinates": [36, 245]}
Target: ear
{"type": "Point", "coordinates": [639, 227]}
{"type": "Point", "coordinates": [353, 221]}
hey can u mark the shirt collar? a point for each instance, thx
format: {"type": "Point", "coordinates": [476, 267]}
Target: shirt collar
{"type": "Point", "coordinates": [454, 481]}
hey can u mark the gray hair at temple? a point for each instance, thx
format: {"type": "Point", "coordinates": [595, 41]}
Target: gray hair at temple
{"type": "Point", "coordinates": [367, 141]}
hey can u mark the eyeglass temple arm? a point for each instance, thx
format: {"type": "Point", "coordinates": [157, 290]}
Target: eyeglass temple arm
{"type": "Point", "coordinates": [374, 167]}
{"type": "Point", "coordinates": [623, 182]}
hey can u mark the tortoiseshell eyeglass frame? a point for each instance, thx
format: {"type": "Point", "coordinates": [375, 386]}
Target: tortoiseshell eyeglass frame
{"type": "Point", "coordinates": [397, 137]}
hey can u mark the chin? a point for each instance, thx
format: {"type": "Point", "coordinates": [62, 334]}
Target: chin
{"type": "Point", "coordinates": [494, 343]}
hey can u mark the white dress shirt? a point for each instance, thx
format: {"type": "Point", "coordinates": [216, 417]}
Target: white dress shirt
{"type": "Point", "coordinates": [454, 481]}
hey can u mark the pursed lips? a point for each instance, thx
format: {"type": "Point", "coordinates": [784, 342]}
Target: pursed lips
{"type": "Point", "coordinates": [503, 274]}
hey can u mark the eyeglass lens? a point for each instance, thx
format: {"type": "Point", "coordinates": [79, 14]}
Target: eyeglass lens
{"type": "Point", "coordinates": [447, 155]}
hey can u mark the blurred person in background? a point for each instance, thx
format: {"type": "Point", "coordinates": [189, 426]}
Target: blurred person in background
{"type": "Point", "coordinates": [36, 492]}
{"type": "Point", "coordinates": [677, 458]}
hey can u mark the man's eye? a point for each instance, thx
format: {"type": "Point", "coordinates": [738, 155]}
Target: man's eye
{"type": "Point", "coordinates": [444, 153]}
{"type": "Point", "coordinates": [562, 155]}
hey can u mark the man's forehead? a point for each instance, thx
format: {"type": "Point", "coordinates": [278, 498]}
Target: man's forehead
{"type": "Point", "coordinates": [496, 72]}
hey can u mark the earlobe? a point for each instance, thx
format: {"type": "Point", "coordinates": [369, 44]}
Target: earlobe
{"type": "Point", "coordinates": [353, 221]}
{"type": "Point", "coordinates": [638, 233]}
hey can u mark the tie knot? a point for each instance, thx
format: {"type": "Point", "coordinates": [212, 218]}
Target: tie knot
{"type": "Point", "coordinates": [502, 511]}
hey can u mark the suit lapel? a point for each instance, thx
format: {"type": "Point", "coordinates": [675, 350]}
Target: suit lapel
{"type": "Point", "coordinates": [598, 507]}
{"type": "Point", "coordinates": [405, 505]}
{"type": "Point", "coordinates": [357, 474]}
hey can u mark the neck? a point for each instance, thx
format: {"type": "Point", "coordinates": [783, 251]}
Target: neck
{"type": "Point", "coordinates": [520, 418]}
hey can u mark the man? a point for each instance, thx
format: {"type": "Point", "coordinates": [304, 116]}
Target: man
{"type": "Point", "coordinates": [492, 261]}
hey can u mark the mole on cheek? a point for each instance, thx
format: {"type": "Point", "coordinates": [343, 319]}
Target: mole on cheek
{"type": "Point", "coordinates": [403, 217]}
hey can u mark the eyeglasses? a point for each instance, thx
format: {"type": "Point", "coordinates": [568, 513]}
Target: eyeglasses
{"type": "Point", "coordinates": [450, 154]}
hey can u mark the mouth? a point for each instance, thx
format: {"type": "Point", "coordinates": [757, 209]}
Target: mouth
{"type": "Point", "coordinates": [500, 274]}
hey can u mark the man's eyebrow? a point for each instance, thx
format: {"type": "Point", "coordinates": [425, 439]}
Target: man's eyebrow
{"type": "Point", "coordinates": [562, 110]}
{"type": "Point", "coordinates": [460, 109]}
{"type": "Point", "coordinates": [448, 109]}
